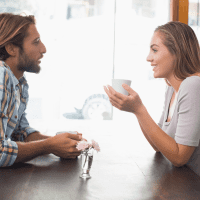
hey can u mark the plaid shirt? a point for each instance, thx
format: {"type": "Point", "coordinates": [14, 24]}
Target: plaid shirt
{"type": "Point", "coordinates": [13, 123]}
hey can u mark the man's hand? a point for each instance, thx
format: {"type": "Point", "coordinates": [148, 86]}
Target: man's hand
{"type": "Point", "coordinates": [64, 145]}
{"type": "Point", "coordinates": [81, 136]}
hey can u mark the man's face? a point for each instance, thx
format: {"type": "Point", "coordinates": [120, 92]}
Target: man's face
{"type": "Point", "coordinates": [33, 50]}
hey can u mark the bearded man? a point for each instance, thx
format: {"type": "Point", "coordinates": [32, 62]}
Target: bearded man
{"type": "Point", "coordinates": [21, 50]}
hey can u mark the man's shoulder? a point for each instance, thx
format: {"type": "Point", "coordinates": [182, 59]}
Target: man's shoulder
{"type": "Point", "coordinates": [5, 73]}
{"type": "Point", "coordinates": [2, 66]}
{"type": "Point", "coordinates": [3, 70]}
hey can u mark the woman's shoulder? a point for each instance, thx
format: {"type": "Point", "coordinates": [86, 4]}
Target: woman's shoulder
{"type": "Point", "coordinates": [191, 84]}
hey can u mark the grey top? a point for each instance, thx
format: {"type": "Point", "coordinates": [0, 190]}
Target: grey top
{"type": "Point", "coordinates": [184, 126]}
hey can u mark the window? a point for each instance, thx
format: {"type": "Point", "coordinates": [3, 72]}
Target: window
{"type": "Point", "coordinates": [88, 43]}
{"type": "Point", "coordinates": [194, 17]}
{"type": "Point", "coordinates": [79, 61]}
{"type": "Point", "coordinates": [135, 23]}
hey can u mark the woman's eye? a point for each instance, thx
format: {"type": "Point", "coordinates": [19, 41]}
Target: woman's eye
{"type": "Point", "coordinates": [154, 50]}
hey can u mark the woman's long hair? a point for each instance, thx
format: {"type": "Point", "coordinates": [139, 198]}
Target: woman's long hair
{"type": "Point", "coordinates": [182, 42]}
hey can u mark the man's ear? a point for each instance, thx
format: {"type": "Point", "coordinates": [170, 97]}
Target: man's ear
{"type": "Point", "coordinates": [11, 49]}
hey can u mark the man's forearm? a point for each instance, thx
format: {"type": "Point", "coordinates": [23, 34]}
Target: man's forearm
{"type": "Point", "coordinates": [36, 136]}
{"type": "Point", "coordinates": [62, 145]}
{"type": "Point", "coordinates": [30, 150]}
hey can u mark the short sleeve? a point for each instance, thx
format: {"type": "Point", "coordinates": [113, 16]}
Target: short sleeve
{"type": "Point", "coordinates": [188, 126]}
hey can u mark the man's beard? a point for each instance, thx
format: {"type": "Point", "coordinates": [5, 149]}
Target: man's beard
{"type": "Point", "coordinates": [27, 65]}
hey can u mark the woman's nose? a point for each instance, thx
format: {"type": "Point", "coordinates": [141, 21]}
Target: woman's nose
{"type": "Point", "coordinates": [149, 58]}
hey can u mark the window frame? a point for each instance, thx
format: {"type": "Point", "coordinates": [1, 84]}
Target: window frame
{"type": "Point", "coordinates": [179, 10]}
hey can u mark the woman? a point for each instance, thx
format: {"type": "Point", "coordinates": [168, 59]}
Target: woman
{"type": "Point", "coordinates": [174, 56]}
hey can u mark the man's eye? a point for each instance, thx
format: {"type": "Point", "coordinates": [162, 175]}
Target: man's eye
{"type": "Point", "coordinates": [37, 41]}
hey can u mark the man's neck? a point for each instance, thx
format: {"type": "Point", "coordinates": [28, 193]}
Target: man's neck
{"type": "Point", "coordinates": [12, 64]}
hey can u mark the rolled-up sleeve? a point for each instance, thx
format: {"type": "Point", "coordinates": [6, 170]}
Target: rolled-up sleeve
{"type": "Point", "coordinates": [9, 150]}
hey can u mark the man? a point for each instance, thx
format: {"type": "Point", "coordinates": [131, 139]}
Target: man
{"type": "Point", "coordinates": [21, 50]}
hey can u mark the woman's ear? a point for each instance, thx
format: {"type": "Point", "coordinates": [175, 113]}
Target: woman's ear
{"type": "Point", "coordinates": [11, 49]}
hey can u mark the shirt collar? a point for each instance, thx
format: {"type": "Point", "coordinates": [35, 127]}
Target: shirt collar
{"type": "Point", "coordinates": [22, 80]}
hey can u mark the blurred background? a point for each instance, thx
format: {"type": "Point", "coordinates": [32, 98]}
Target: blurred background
{"type": "Point", "coordinates": [88, 43]}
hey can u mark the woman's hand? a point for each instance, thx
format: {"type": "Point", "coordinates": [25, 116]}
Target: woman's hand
{"type": "Point", "coordinates": [131, 103]}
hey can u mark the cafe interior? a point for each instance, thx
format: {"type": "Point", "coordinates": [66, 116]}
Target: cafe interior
{"type": "Point", "coordinates": [89, 43]}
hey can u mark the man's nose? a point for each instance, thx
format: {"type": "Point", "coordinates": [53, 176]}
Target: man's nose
{"type": "Point", "coordinates": [43, 49]}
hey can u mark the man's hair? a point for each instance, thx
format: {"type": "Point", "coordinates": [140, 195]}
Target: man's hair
{"type": "Point", "coordinates": [181, 41]}
{"type": "Point", "coordinates": [13, 29]}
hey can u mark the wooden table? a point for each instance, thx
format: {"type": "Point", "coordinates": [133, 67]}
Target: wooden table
{"type": "Point", "coordinates": [127, 168]}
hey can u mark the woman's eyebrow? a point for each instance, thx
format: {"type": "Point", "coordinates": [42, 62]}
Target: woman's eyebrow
{"type": "Point", "coordinates": [154, 45]}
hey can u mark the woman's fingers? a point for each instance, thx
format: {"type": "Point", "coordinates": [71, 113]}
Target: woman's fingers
{"type": "Point", "coordinates": [130, 103]}
{"type": "Point", "coordinates": [115, 93]}
{"type": "Point", "coordinates": [107, 91]}
{"type": "Point", "coordinates": [115, 104]}
{"type": "Point", "coordinates": [114, 97]}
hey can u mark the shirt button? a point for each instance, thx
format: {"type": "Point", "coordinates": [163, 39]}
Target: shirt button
{"type": "Point", "coordinates": [15, 116]}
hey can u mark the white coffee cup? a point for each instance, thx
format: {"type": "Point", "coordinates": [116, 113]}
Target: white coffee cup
{"type": "Point", "coordinates": [117, 85]}
{"type": "Point", "coordinates": [72, 132]}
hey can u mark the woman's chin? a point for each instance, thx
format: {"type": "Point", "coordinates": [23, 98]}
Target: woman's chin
{"type": "Point", "coordinates": [156, 75]}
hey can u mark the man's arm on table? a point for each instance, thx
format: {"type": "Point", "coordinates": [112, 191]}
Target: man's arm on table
{"type": "Point", "coordinates": [36, 144]}
{"type": "Point", "coordinates": [35, 136]}
{"type": "Point", "coordinates": [62, 145]}
{"type": "Point", "coordinates": [38, 136]}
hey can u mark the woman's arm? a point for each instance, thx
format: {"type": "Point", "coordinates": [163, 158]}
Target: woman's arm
{"type": "Point", "coordinates": [148, 139]}
{"type": "Point", "coordinates": [177, 154]}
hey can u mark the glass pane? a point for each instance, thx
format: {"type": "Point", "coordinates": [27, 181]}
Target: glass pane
{"type": "Point", "coordinates": [136, 21]}
{"type": "Point", "coordinates": [88, 42]}
{"type": "Point", "coordinates": [78, 35]}
{"type": "Point", "coordinates": [194, 16]}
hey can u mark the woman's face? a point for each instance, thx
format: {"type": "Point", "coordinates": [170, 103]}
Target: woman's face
{"type": "Point", "coordinates": [161, 59]}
